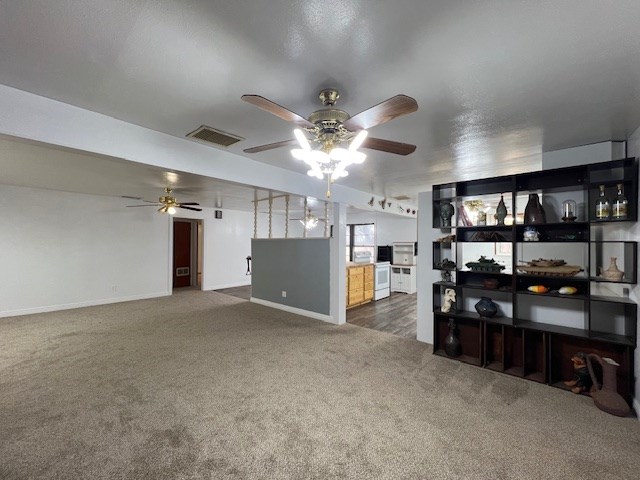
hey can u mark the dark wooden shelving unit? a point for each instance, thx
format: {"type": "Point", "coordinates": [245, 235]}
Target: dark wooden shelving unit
{"type": "Point", "coordinates": [519, 343]}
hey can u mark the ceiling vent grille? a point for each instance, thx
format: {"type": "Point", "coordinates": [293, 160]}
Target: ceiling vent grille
{"type": "Point", "coordinates": [402, 197]}
{"type": "Point", "coordinates": [211, 135]}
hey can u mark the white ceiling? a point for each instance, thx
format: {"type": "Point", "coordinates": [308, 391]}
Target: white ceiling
{"type": "Point", "coordinates": [497, 82]}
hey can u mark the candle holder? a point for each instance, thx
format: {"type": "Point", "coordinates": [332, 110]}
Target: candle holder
{"type": "Point", "coordinates": [569, 210]}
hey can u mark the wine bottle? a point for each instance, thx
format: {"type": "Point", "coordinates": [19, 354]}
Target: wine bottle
{"type": "Point", "coordinates": [603, 207]}
{"type": "Point", "coordinates": [619, 210]}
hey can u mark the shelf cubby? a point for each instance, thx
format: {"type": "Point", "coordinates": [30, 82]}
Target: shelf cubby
{"type": "Point", "coordinates": [469, 333]}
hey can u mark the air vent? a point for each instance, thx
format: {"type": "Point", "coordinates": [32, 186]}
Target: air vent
{"type": "Point", "coordinates": [211, 135]}
{"type": "Point", "coordinates": [402, 197]}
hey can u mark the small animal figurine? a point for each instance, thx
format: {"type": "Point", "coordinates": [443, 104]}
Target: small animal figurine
{"type": "Point", "coordinates": [581, 381]}
{"type": "Point", "coordinates": [449, 298]}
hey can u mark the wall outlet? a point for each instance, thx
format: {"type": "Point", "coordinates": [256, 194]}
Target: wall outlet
{"type": "Point", "coordinates": [284, 294]}
{"type": "Point", "coordinates": [114, 288]}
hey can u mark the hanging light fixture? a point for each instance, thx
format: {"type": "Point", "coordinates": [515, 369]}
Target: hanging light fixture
{"type": "Point", "coordinates": [330, 161]}
{"type": "Point", "coordinates": [310, 222]}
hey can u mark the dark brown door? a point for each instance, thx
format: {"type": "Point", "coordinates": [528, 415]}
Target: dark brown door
{"type": "Point", "coordinates": [181, 254]}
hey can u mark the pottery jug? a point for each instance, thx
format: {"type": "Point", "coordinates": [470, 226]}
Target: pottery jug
{"type": "Point", "coordinates": [486, 308]}
{"type": "Point", "coordinates": [612, 273]}
{"type": "Point", "coordinates": [446, 212]}
{"type": "Point", "coordinates": [501, 212]}
{"type": "Point", "coordinates": [534, 211]}
{"type": "Point", "coordinates": [452, 345]}
{"type": "Point", "coordinates": [606, 397]}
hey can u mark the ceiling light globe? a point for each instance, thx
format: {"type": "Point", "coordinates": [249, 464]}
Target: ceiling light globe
{"type": "Point", "coordinates": [171, 210]}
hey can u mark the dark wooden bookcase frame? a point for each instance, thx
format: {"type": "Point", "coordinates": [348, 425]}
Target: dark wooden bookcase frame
{"type": "Point", "coordinates": [528, 349]}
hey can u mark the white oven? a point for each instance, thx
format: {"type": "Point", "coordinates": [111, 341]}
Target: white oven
{"type": "Point", "coordinates": [382, 280]}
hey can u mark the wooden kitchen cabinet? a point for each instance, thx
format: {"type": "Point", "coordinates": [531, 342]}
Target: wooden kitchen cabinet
{"type": "Point", "coordinates": [360, 279]}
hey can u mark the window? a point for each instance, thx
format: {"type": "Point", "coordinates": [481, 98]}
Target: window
{"type": "Point", "coordinates": [361, 238]}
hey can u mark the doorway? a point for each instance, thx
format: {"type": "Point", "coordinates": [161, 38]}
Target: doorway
{"type": "Point", "coordinates": [187, 253]}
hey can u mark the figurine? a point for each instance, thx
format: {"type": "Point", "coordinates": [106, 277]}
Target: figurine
{"type": "Point", "coordinates": [581, 381]}
{"type": "Point", "coordinates": [449, 298]}
{"type": "Point", "coordinates": [446, 276]}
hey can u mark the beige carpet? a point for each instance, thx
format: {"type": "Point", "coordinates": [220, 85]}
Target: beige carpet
{"type": "Point", "coordinates": [203, 385]}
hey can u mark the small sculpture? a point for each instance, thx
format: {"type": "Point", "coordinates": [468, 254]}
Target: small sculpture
{"type": "Point", "coordinates": [530, 234]}
{"type": "Point", "coordinates": [449, 299]}
{"type": "Point", "coordinates": [445, 275]}
{"type": "Point", "coordinates": [446, 212]}
{"type": "Point", "coordinates": [447, 264]}
{"type": "Point", "coordinates": [581, 381]}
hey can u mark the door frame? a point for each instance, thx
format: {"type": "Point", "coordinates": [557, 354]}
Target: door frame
{"type": "Point", "coordinates": [193, 263]}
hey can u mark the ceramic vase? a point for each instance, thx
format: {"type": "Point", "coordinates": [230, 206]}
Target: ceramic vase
{"type": "Point", "coordinates": [446, 212]}
{"type": "Point", "coordinates": [501, 211]}
{"type": "Point", "coordinates": [613, 273]}
{"type": "Point", "coordinates": [486, 308]}
{"type": "Point", "coordinates": [452, 345]}
{"type": "Point", "coordinates": [534, 211]}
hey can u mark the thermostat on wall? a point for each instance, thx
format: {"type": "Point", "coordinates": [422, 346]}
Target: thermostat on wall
{"type": "Point", "coordinates": [218, 213]}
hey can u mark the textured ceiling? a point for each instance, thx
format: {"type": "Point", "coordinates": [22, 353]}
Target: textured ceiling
{"type": "Point", "coordinates": [497, 82]}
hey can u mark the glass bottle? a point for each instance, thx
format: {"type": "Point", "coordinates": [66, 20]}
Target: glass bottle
{"type": "Point", "coordinates": [603, 207]}
{"type": "Point", "coordinates": [619, 210]}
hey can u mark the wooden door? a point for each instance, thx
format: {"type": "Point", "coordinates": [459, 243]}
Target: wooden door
{"type": "Point", "coordinates": [181, 254]}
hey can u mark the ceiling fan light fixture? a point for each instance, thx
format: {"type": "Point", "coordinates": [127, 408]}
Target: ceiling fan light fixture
{"type": "Point", "coordinates": [171, 210]}
{"type": "Point", "coordinates": [302, 139]}
{"type": "Point", "coordinates": [356, 143]}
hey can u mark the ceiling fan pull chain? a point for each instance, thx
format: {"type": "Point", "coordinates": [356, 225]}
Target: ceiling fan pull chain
{"type": "Point", "coordinates": [326, 219]}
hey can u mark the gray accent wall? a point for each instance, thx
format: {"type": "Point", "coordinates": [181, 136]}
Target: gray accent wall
{"type": "Point", "coordinates": [298, 266]}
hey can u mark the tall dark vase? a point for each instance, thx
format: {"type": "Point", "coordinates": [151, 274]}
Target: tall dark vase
{"type": "Point", "coordinates": [534, 211]}
{"type": "Point", "coordinates": [501, 211]}
{"type": "Point", "coordinates": [452, 345]}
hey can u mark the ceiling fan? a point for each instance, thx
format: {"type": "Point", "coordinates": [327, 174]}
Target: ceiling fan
{"type": "Point", "coordinates": [166, 202]}
{"type": "Point", "coordinates": [321, 135]}
{"type": "Point", "coordinates": [309, 221]}
{"type": "Point", "coordinates": [333, 124]}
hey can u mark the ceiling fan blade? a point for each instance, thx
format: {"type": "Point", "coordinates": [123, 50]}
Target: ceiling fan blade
{"type": "Point", "coordinates": [189, 203]}
{"type": "Point", "coordinates": [190, 208]}
{"type": "Point", "coordinates": [149, 205]}
{"type": "Point", "coordinates": [138, 198]}
{"type": "Point", "coordinates": [277, 110]}
{"type": "Point", "coordinates": [388, 146]}
{"type": "Point", "coordinates": [382, 113]}
{"type": "Point", "coordinates": [270, 146]}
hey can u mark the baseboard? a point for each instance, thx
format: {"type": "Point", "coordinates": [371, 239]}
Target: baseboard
{"type": "Point", "coordinates": [298, 311]}
{"type": "Point", "coordinates": [89, 303]}
{"type": "Point", "coordinates": [636, 407]}
{"type": "Point", "coordinates": [228, 285]}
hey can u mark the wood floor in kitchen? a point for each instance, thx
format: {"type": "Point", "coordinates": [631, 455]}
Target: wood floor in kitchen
{"type": "Point", "coordinates": [396, 314]}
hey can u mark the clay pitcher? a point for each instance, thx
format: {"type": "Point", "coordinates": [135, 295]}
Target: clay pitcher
{"type": "Point", "coordinates": [607, 397]}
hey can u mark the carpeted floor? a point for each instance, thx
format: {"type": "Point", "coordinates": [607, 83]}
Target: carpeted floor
{"type": "Point", "coordinates": [204, 385]}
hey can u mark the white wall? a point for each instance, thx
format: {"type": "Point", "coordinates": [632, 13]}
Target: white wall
{"type": "Point", "coordinates": [62, 250]}
{"type": "Point", "coordinates": [389, 228]}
